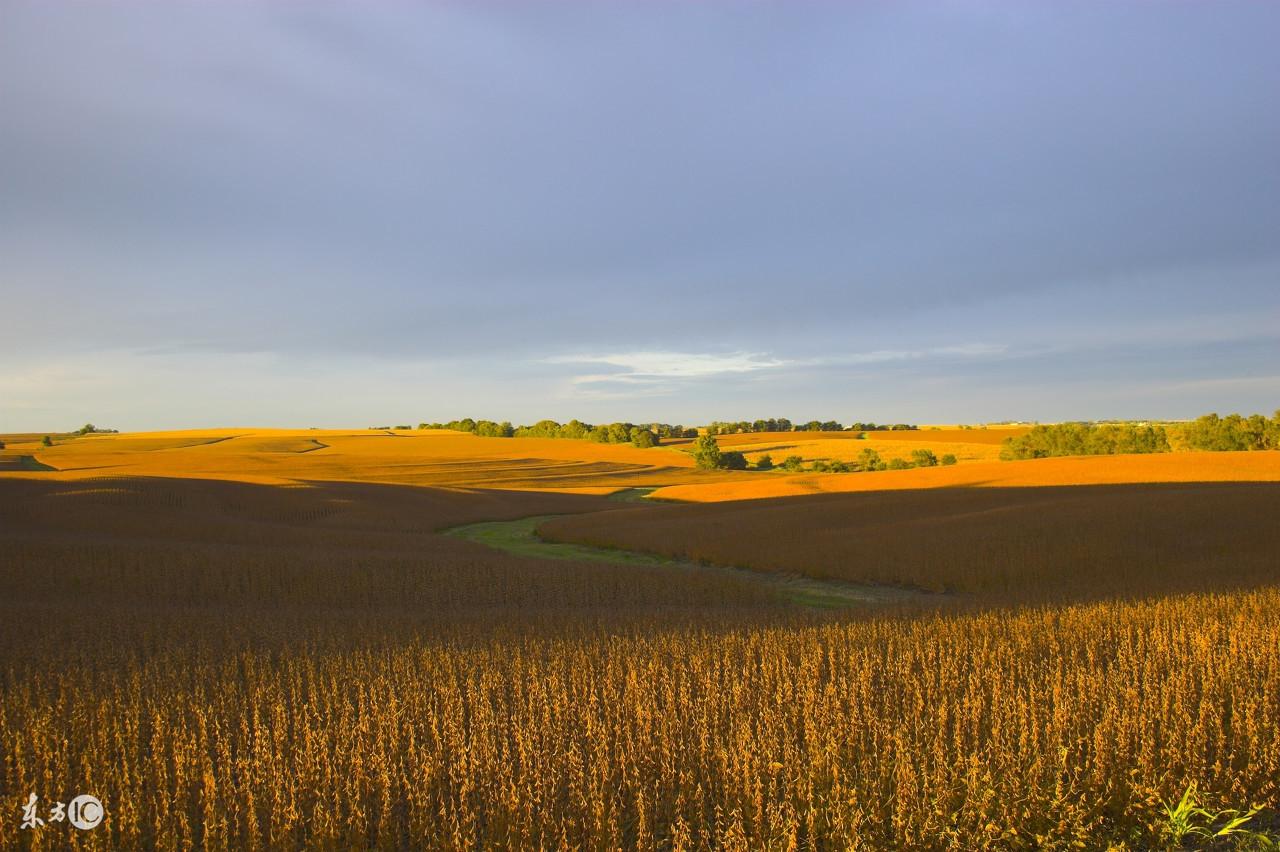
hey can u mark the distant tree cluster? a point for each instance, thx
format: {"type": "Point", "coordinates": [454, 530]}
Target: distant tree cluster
{"type": "Point", "coordinates": [641, 435]}
{"type": "Point", "coordinates": [1211, 432]}
{"type": "Point", "coordinates": [1233, 432]}
{"type": "Point", "coordinates": [737, 427]}
{"type": "Point", "coordinates": [782, 424]}
{"type": "Point", "coordinates": [883, 427]}
{"type": "Point", "coordinates": [90, 429]}
{"type": "Point", "coordinates": [1085, 439]}
{"type": "Point", "coordinates": [869, 460]}
{"type": "Point", "coordinates": [483, 428]}
{"type": "Point", "coordinates": [708, 456]}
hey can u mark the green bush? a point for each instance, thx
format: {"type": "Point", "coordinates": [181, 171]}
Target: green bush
{"type": "Point", "coordinates": [924, 458]}
{"type": "Point", "coordinates": [869, 459]}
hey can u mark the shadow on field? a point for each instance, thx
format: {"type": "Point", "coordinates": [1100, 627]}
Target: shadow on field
{"type": "Point", "coordinates": [1027, 544]}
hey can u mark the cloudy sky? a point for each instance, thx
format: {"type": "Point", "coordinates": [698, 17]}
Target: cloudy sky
{"type": "Point", "coordinates": [297, 214]}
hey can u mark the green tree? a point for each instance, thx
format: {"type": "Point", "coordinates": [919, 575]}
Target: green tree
{"type": "Point", "coordinates": [733, 460]}
{"type": "Point", "coordinates": [706, 452]}
{"type": "Point", "coordinates": [765, 462]}
{"type": "Point", "coordinates": [899, 464]}
{"type": "Point", "coordinates": [541, 429]}
{"type": "Point", "coordinates": [643, 438]}
{"type": "Point", "coordinates": [948, 459]}
{"type": "Point", "coordinates": [795, 464]}
{"type": "Point", "coordinates": [837, 466]}
{"type": "Point", "coordinates": [924, 458]}
{"type": "Point", "coordinates": [489, 429]}
{"type": "Point", "coordinates": [869, 459]}
{"type": "Point", "coordinates": [46, 441]}
{"type": "Point", "coordinates": [1230, 433]}
{"type": "Point", "coordinates": [574, 429]}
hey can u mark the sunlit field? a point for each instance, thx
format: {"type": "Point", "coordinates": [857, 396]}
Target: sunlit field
{"type": "Point", "coordinates": [964, 444]}
{"type": "Point", "coordinates": [1071, 470]}
{"type": "Point", "coordinates": [452, 459]}
{"type": "Point", "coordinates": [410, 457]}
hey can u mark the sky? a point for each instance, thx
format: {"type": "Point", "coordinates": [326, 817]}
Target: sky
{"type": "Point", "coordinates": [347, 214]}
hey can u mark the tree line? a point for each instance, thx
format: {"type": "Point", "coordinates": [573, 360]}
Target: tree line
{"type": "Point", "coordinates": [782, 424]}
{"type": "Point", "coordinates": [1085, 439]}
{"type": "Point", "coordinates": [1233, 432]}
{"type": "Point", "coordinates": [620, 433]}
{"type": "Point", "coordinates": [641, 435]}
{"type": "Point", "coordinates": [1210, 432]}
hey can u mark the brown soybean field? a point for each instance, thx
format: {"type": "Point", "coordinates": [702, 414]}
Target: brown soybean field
{"type": "Point", "coordinates": [658, 426]}
{"type": "Point", "coordinates": [292, 640]}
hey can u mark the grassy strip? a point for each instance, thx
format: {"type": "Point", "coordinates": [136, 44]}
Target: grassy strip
{"type": "Point", "coordinates": [520, 537]}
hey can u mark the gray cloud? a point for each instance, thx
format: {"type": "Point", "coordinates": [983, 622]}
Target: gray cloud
{"type": "Point", "coordinates": [488, 190]}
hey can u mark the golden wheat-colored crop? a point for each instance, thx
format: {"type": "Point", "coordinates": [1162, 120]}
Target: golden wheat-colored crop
{"type": "Point", "coordinates": [426, 457]}
{"type": "Point", "coordinates": [1187, 467]}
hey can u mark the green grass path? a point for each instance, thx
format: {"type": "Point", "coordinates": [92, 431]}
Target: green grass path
{"type": "Point", "coordinates": [520, 537]}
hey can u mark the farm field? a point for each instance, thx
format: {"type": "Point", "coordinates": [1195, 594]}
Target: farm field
{"type": "Point", "coordinates": [363, 680]}
{"type": "Point", "coordinates": [964, 444]}
{"type": "Point", "coordinates": [274, 456]}
{"type": "Point", "coordinates": [1031, 543]}
{"type": "Point", "coordinates": [1187, 467]}
{"type": "Point", "coordinates": [823, 427]}
{"type": "Point", "coordinates": [457, 460]}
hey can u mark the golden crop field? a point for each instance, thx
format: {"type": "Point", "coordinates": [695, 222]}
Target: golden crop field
{"type": "Point", "coordinates": [239, 641]}
{"type": "Point", "coordinates": [1186, 467]}
{"type": "Point", "coordinates": [426, 457]}
{"type": "Point", "coordinates": [453, 459]}
{"type": "Point", "coordinates": [965, 444]}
